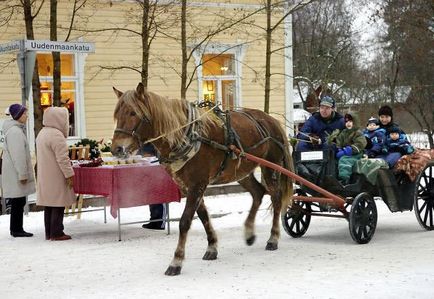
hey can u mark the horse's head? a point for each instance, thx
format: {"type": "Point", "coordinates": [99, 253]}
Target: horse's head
{"type": "Point", "coordinates": [133, 121]}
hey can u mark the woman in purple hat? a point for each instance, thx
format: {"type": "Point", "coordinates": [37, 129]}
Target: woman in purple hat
{"type": "Point", "coordinates": [18, 180]}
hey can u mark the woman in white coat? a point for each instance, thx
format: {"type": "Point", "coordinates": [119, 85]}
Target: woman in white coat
{"type": "Point", "coordinates": [17, 177]}
{"type": "Point", "coordinates": [55, 173]}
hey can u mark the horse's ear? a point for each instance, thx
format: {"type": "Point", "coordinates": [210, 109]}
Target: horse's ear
{"type": "Point", "coordinates": [140, 89]}
{"type": "Point", "coordinates": [118, 92]}
{"type": "Point", "coordinates": [318, 91]}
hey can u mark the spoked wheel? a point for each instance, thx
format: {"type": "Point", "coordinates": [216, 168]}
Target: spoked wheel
{"type": "Point", "coordinates": [296, 220]}
{"type": "Point", "coordinates": [424, 197]}
{"type": "Point", "coordinates": [363, 218]}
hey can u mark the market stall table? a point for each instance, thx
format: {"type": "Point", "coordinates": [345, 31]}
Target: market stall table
{"type": "Point", "coordinates": [127, 186]}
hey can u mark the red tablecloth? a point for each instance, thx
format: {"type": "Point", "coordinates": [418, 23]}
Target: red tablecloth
{"type": "Point", "coordinates": [127, 185]}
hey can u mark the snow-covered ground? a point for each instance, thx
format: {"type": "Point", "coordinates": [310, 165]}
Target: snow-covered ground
{"type": "Point", "coordinates": [325, 263]}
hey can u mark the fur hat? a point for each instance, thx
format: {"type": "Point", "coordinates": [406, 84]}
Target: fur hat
{"type": "Point", "coordinates": [373, 120]}
{"type": "Point", "coordinates": [16, 110]}
{"type": "Point", "coordinates": [385, 110]}
{"type": "Point", "coordinates": [327, 101]}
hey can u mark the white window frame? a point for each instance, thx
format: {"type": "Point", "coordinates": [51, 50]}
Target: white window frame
{"type": "Point", "coordinates": [238, 50]}
{"type": "Point", "coordinates": [78, 79]}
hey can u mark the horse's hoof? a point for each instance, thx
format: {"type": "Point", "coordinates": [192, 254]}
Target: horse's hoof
{"type": "Point", "coordinates": [271, 246]}
{"type": "Point", "coordinates": [172, 271]}
{"type": "Point", "coordinates": [210, 255]}
{"type": "Point", "coordinates": [251, 240]}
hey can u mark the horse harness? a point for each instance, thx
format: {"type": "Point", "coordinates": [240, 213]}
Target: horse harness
{"type": "Point", "coordinates": [193, 138]}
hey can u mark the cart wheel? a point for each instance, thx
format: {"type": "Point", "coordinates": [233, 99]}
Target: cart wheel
{"type": "Point", "coordinates": [363, 218]}
{"type": "Point", "coordinates": [296, 220]}
{"type": "Point", "coordinates": [424, 197]}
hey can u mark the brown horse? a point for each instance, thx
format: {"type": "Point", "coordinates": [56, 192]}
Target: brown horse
{"type": "Point", "coordinates": [193, 145]}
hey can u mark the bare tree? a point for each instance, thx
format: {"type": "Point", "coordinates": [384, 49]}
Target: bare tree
{"type": "Point", "coordinates": [324, 52]}
{"type": "Point", "coordinates": [29, 16]}
{"type": "Point", "coordinates": [270, 7]}
{"type": "Point", "coordinates": [55, 55]}
{"type": "Point", "coordinates": [409, 41]}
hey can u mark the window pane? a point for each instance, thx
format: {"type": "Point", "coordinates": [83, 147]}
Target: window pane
{"type": "Point", "coordinates": [209, 90]}
{"type": "Point", "coordinates": [218, 64]}
{"type": "Point", "coordinates": [45, 64]}
{"type": "Point", "coordinates": [228, 94]}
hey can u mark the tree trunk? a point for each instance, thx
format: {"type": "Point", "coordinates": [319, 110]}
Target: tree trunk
{"type": "Point", "coordinates": [56, 55]}
{"type": "Point", "coordinates": [268, 59]}
{"type": "Point", "coordinates": [145, 43]}
{"type": "Point", "coordinates": [36, 85]}
{"type": "Point", "coordinates": [184, 49]}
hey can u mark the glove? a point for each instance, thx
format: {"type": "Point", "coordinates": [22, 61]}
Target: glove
{"type": "Point", "coordinates": [348, 150]}
{"type": "Point", "coordinates": [371, 155]}
{"type": "Point", "coordinates": [70, 182]}
{"type": "Point", "coordinates": [384, 150]}
{"type": "Point", "coordinates": [340, 153]}
{"type": "Point", "coordinates": [410, 150]}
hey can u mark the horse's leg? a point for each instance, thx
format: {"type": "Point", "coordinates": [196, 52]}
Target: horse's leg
{"type": "Point", "coordinates": [275, 229]}
{"type": "Point", "coordinates": [211, 251]}
{"type": "Point", "coordinates": [272, 179]}
{"type": "Point", "coordinates": [194, 196]}
{"type": "Point", "coordinates": [257, 191]}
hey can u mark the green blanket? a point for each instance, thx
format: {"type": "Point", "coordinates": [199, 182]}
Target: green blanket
{"type": "Point", "coordinates": [369, 167]}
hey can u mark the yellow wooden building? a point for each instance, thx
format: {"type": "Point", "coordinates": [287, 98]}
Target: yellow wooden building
{"type": "Point", "coordinates": [228, 68]}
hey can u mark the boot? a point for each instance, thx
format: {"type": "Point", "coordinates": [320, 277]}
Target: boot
{"type": "Point", "coordinates": [61, 238]}
{"type": "Point", "coordinates": [158, 225]}
{"type": "Point", "coordinates": [21, 234]}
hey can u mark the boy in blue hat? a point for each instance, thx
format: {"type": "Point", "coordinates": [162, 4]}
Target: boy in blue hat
{"type": "Point", "coordinates": [396, 142]}
{"type": "Point", "coordinates": [375, 136]}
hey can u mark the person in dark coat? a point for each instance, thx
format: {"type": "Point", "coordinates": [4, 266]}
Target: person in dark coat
{"type": "Point", "coordinates": [385, 114]}
{"type": "Point", "coordinates": [375, 137]}
{"type": "Point", "coordinates": [315, 131]}
{"type": "Point", "coordinates": [158, 211]}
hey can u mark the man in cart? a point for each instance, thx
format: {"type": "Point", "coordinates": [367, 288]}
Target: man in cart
{"type": "Point", "coordinates": [319, 126]}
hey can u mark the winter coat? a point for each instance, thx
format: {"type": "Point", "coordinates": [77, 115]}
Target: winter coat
{"type": "Point", "coordinates": [377, 140]}
{"type": "Point", "coordinates": [53, 164]}
{"type": "Point", "coordinates": [17, 163]}
{"type": "Point", "coordinates": [402, 145]}
{"type": "Point", "coordinates": [352, 137]}
{"type": "Point", "coordinates": [320, 127]}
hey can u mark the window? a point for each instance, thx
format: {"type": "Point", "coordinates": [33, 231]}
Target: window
{"type": "Point", "coordinates": [219, 79]}
{"type": "Point", "coordinates": [69, 86]}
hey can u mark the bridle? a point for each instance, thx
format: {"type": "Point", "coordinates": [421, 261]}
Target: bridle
{"type": "Point", "coordinates": [133, 133]}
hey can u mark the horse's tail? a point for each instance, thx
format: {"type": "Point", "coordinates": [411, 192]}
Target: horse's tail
{"type": "Point", "coordinates": [286, 182]}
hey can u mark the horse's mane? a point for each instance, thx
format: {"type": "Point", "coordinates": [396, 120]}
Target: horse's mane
{"type": "Point", "coordinates": [166, 115]}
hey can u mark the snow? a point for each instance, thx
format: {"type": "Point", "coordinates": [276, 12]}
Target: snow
{"type": "Point", "coordinates": [325, 263]}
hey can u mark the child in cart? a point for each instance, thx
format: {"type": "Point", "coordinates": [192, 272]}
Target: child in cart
{"type": "Point", "coordinates": [375, 137]}
{"type": "Point", "coordinates": [350, 144]}
{"type": "Point", "coordinates": [397, 142]}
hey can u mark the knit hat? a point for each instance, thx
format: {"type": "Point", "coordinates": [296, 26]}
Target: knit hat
{"type": "Point", "coordinates": [327, 101]}
{"type": "Point", "coordinates": [348, 117]}
{"type": "Point", "coordinates": [373, 120]}
{"type": "Point", "coordinates": [385, 110]}
{"type": "Point", "coordinates": [394, 129]}
{"type": "Point", "coordinates": [16, 110]}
